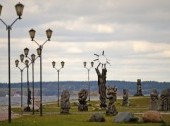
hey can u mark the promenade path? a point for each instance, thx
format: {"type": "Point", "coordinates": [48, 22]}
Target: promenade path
{"type": "Point", "coordinates": [4, 113]}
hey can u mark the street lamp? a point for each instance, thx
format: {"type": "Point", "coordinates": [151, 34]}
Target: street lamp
{"type": "Point", "coordinates": [58, 70]}
{"type": "Point", "coordinates": [32, 59]}
{"type": "Point", "coordinates": [26, 51]}
{"type": "Point", "coordinates": [22, 57]}
{"type": "Point", "coordinates": [28, 87]}
{"type": "Point", "coordinates": [0, 9]}
{"type": "Point", "coordinates": [19, 10]}
{"type": "Point", "coordinates": [21, 70]}
{"type": "Point", "coordinates": [39, 52]}
{"type": "Point", "coordinates": [88, 69]}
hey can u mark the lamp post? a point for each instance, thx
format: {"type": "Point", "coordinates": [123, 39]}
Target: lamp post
{"type": "Point", "coordinates": [39, 52]}
{"type": "Point", "coordinates": [58, 71]}
{"type": "Point", "coordinates": [28, 89]}
{"type": "Point", "coordinates": [21, 70]}
{"type": "Point", "coordinates": [88, 69]}
{"type": "Point", "coordinates": [19, 10]}
{"type": "Point", "coordinates": [32, 59]}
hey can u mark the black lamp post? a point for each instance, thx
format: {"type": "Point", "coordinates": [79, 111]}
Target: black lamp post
{"type": "Point", "coordinates": [39, 52]}
{"type": "Point", "coordinates": [19, 10]}
{"type": "Point", "coordinates": [28, 89]}
{"type": "Point", "coordinates": [21, 70]}
{"type": "Point", "coordinates": [32, 59]}
{"type": "Point", "coordinates": [88, 69]}
{"type": "Point", "coordinates": [58, 70]}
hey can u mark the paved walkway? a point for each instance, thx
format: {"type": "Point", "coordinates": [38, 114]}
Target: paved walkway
{"type": "Point", "coordinates": [4, 113]}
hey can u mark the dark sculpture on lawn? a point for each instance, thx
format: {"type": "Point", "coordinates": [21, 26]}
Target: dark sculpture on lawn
{"type": "Point", "coordinates": [139, 88]}
{"type": "Point", "coordinates": [102, 86]}
{"type": "Point", "coordinates": [112, 96]}
{"type": "Point", "coordinates": [154, 100]}
{"type": "Point", "coordinates": [82, 96]}
{"type": "Point", "coordinates": [125, 98]}
{"type": "Point", "coordinates": [102, 78]}
{"type": "Point", "coordinates": [65, 103]}
{"type": "Point", "coordinates": [165, 100]}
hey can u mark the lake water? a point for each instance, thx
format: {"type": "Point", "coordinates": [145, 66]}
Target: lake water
{"type": "Point", "coordinates": [16, 101]}
{"type": "Point", "coordinates": [146, 89]}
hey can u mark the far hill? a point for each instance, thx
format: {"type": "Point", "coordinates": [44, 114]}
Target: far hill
{"type": "Point", "coordinates": [50, 88]}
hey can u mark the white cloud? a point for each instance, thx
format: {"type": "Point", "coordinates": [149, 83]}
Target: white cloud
{"type": "Point", "coordinates": [133, 34]}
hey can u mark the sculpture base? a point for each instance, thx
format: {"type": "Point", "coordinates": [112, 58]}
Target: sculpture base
{"type": "Point", "coordinates": [111, 110]}
{"type": "Point", "coordinates": [138, 95]}
{"type": "Point", "coordinates": [82, 107]}
{"type": "Point", "coordinates": [64, 111]}
{"type": "Point", "coordinates": [125, 103]}
{"type": "Point", "coordinates": [103, 105]}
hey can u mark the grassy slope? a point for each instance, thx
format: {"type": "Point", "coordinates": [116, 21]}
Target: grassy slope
{"type": "Point", "coordinates": [52, 117]}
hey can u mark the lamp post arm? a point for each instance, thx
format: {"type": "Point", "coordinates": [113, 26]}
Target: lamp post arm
{"type": "Point", "coordinates": [36, 42]}
{"type": "Point", "coordinates": [56, 69]}
{"type": "Point", "coordinates": [87, 68]}
{"type": "Point", "coordinates": [60, 68]}
{"type": "Point", "coordinates": [24, 63]}
{"type": "Point", "coordinates": [29, 58]}
{"type": "Point", "coordinates": [22, 68]}
{"type": "Point", "coordinates": [3, 22]}
{"type": "Point", "coordinates": [36, 58]}
{"type": "Point", "coordinates": [32, 60]}
{"type": "Point", "coordinates": [19, 68]}
{"type": "Point", "coordinates": [10, 26]}
{"type": "Point", "coordinates": [44, 43]}
{"type": "Point", "coordinates": [14, 22]}
{"type": "Point", "coordinates": [29, 64]}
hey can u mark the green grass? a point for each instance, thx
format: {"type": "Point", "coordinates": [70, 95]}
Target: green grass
{"type": "Point", "coordinates": [52, 117]}
{"type": "Point", "coordinates": [67, 120]}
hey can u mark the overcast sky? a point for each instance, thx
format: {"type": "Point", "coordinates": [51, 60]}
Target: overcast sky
{"type": "Point", "coordinates": [135, 35]}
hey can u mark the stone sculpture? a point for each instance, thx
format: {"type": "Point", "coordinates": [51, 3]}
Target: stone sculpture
{"type": "Point", "coordinates": [82, 96]}
{"type": "Point", "coordinates": [28, 109]}
{"type": "Point", "coordinates": [154, 100]}
{"type": "Point", "coordinates": [102, 86]}
{"type": "Point", "coordinates": [65, 103]}
{"type": "Point", "coordinates": [125, 97]}
{"type": "Point", "coordinates": [112, 96]}
{"type": "Point", "coordinates": [165, 100]}
{"type": "Point", "coordinates": [139, 88]}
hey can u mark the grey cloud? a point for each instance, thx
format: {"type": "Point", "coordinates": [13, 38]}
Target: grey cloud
{"type": "Point", "coordinates": [130, 20]}
{"type": "Point", "coordinates": [150, 16]}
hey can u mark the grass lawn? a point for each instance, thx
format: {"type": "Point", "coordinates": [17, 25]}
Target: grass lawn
{"type": "Point", "coordinates": [52, 117]}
